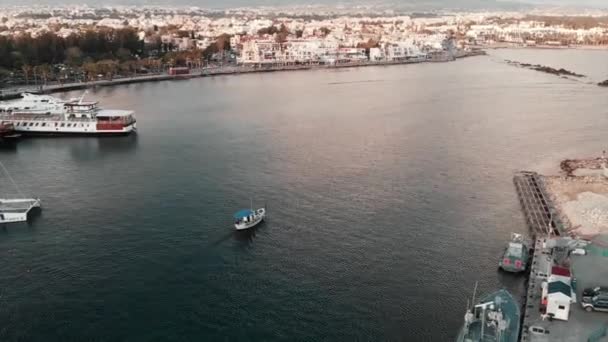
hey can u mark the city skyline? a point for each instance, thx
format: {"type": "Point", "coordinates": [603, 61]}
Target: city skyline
{"type": "Point", "coordinates": [413, 5]}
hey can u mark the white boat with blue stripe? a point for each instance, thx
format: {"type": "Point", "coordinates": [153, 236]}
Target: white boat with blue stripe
{"type": "Point", "coordinates": [248, 218]}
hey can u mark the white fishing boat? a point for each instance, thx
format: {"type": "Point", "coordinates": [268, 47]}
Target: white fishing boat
{"type": "Point", "coordinates": [248, 218]}
{"type": "Point", "coordinates": [16, 209]}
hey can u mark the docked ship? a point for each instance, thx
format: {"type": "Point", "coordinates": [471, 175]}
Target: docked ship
{"type": "Point", "coordinates": [516, 255]}
{"type": "Point", "coordinates": [44, 114]}
{"type": "Point", "coordinates": [494, 318]}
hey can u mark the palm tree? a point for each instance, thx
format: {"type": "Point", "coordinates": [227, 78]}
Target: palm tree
{"type": "Point", "coordinates": [45, 71]}
{"type": "Point", "coordinates": [27, 69]}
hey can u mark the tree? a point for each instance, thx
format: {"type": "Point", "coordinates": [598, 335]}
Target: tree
{"type": "Point", "coordinates": [44, 71]}
{"type": "Point", "coordinates": [27, 71]}
{"type": "Point", "coordinates": [123, 54]}
{"type": "Point", "coordinates": [73, 56]}
{"type": "Point", "coordinates": [299, 33]}
{"type": "Point", "coordinates": [223, 42]}
{"type": "Point", "coordinates": [91, 70]}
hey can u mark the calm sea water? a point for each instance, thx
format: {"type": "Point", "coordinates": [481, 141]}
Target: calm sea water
{"type": "Point", "coordinates": [389, 191]}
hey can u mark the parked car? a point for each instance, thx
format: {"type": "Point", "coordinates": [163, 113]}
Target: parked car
{"type": "Point", "coordinates": [597, 303]}
{"type": "Point", "coordinates": [595, 291]}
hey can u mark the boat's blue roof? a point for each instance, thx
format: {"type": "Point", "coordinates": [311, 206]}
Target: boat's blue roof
{"type": "Point", "coordinates": [243, 213]}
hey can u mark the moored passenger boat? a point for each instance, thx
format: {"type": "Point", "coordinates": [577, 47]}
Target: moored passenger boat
{"type": "Point", "coordinates": [44, 114]}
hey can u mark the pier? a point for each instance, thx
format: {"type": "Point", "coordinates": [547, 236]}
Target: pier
{"type": "Point", "coordinates": [536, 205]}
{"type": "Point", "coordinates": [551, 247]}
{"type": "Point", "coordinates": [539, 214]}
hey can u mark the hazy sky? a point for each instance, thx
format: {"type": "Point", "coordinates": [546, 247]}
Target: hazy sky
{"type": "Point", "coordinates": [422, 4]}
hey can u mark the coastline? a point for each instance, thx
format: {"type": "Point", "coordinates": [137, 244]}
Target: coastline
{"type": "Point", "coordinates": [545, 47]}
{"type": "Point", "coordinates": [15, 92]}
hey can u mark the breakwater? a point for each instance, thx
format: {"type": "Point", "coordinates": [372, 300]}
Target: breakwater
{"type": "Point", "coordinates": [545, 69]}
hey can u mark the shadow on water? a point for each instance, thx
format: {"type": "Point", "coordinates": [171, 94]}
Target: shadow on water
{"type": "Point", "coordinates": [22, 227]}
{"type": "Point", "coordinates": [8, 146]}
{"type": "Point", "coordinates": [87, 148]}
{"type": "Point", "coordinates": [245, 237]}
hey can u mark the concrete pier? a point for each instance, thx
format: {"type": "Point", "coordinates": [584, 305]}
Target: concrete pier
{"type": "Point", "coordinates": [540, 215]}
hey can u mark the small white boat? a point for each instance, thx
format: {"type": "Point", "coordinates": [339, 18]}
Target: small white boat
{"type": "Point", "coordinates": [248, 218]}
{"type": "Point", "coordinates": [16, 210]}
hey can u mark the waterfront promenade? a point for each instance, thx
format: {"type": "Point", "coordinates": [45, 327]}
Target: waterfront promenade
{"type": "Point", "coordinates": [14, 92]}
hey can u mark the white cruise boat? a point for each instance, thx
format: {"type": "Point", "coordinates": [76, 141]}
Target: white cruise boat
{"type": "Point", "coordinates": [44, 114]}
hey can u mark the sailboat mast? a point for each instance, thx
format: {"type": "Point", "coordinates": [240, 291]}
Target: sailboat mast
{"type": "Point", "coordinates": [474, 291]}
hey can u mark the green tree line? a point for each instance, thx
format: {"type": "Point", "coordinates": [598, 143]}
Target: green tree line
{"type": "Point", "coordinates": [76, 49]}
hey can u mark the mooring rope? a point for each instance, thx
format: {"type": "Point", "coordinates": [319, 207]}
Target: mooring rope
{"type": "Point", "coordinates": [12, 180]}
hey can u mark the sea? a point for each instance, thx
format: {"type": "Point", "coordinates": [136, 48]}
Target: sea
{"type": "Point", "coordinates": [389, 195]}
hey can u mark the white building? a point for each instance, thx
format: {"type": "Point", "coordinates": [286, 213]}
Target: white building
{"type": "Point", "coordinates": [376, 54]}
{"type": "Point", "coordinates": [558, 300]}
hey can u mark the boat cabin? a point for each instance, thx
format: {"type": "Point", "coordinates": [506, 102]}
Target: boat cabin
{"type": "Point", "coordinates": [81, 109]}
{"type": "Point", "coordinates": [245, 215]}
{"type": "Point", "coordinates": [111, 119]}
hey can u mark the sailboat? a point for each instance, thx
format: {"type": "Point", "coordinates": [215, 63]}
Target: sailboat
{"type": "Point", "coordinates": [248, 218]}
{"type": "Point", "coordinates": [16, 209]}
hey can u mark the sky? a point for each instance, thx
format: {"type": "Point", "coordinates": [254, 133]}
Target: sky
{"type": "Point", "coordinates": [414, 4]}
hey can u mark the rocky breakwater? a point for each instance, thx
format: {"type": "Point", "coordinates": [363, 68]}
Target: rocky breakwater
{"type": "Point", "coordinates": [545, 69]}
{"type": "Point", "coordinates": [603, 84]}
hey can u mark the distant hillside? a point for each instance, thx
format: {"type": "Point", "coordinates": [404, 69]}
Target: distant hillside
{"type": "Point", "coordinates": [417, 5]}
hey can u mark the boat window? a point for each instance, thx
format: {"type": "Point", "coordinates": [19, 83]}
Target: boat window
{"type": "Point", "coordinates": [561, 307]}
{"type": "Point", "coordinates": [56, 124]}
{"type": "Point", "coordinates": [36, 124]}
{"type": "Point", "coordinates": [31, 124]}
{"type": "Point", "coordinates": [63, 124]}
{"type": "Point", "coordinates": [43, 124]}
{"type": "Point", "coordinates": [515, 249]}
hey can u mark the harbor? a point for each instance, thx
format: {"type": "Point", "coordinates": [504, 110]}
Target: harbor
{"type": "Point", "coordinates": [567, 221]}
{"type": "Point", "coordinates": [387, 204]}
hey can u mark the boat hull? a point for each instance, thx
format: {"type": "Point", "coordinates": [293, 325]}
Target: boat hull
{"type": "Point", "coordinates": [16, 210]}
{"type": "Point", "coordinates": [85, 130]}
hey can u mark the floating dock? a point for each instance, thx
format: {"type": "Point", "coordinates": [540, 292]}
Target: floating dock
{"type": "Point", "coordinates": [16, 210]}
